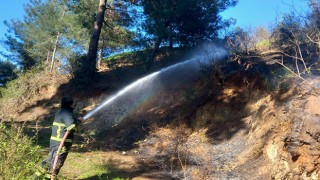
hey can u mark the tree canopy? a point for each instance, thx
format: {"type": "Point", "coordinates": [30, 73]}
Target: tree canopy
{"type": "Point", "coordinates": [49, 32]}
{"type": "Point", "coordinates": [7, 72]}
{"type": "Point", "coordinates": [54, 31]}
{"type": "Point", "coordinates": [184, 22]}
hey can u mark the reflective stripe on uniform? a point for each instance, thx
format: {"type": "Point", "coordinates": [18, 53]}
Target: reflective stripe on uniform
{"type": "Point", "coordinates": [71, 127]}
{"type": "Point", "coordinates": [60, 139]}
{"type": "Point", "coordinates": [60, 126]}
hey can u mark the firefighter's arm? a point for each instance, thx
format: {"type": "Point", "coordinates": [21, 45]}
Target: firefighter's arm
{"type": "Point", "coordinates": [71, 122]}
{"type": "Point", "coordinates": [81, 119]}
{"type": "Point", "coordinates": [78, 121]}
{"type": "Point", "coordinates": [77, 124]}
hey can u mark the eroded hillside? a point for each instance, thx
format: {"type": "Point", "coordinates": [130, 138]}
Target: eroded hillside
{"type": "Point", "coordinates": [238, 119]}
{"type": "Point", "coordinates": [242, 123]}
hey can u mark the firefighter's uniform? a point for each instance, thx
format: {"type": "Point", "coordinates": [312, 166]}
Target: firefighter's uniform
{"type": "Point", "coordinates": [64, 121]}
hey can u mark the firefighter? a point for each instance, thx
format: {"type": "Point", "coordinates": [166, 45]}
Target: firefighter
{"type": "Point", "coordinates": [64, 121]}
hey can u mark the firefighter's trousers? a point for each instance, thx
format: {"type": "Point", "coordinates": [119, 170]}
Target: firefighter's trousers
{"type": "Point", "coordinates": [45, 170]}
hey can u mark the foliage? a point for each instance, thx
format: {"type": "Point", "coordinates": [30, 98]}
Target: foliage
{"type": "Point", "coordinates": [27, 88]}
{"type": "Point", "coordinates": [288, 31]}
{"type": "Point", "coordinates": [239, 41]}
{"type": "Point", "coordinates": [78, 65]}
{"type": "Point", "coordinates": [261, 39]}
{"type": "Point", "coordinates": [243, 41]}
{"type": "Point", "coordinates": [297, 38]}
{"type": "Point", "coordinates": [184, 22]}
{"type": "Point", "coordinates": [45, 35]}
{"type": "Point", "coordinates": [18, 156]}
{"type": "Point", "coordinates": [114, 33]}
{"type": "Point", "coordinates": [54, 32]}
{"type": "Point", "coordinates": [83, 77]}
{"type": "Point", "coordinates": [18, 53]}
{"type": "Point", "coordinates": [109, 34]}
{"type": "Point", "coordinates": [127, 58]}
{"type": "Point", "coordinates": [17, 87]}
{"type": "Point", "coordinates": [313, 28]}
{"type": "Point", "coordinates": [7, 72]}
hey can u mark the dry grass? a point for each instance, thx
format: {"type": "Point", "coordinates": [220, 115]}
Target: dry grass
{"type": "Point", "coordinates": [20, 95]}
{"type": "Point", "coordinates": [95, 165]}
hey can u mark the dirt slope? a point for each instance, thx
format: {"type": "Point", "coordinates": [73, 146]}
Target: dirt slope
{"type": "Point", "coordinates": [275, 138]}
{"type": "Point", "coordinates": [239, 130]}
{"type": "Point", "coordinates": [237, 124]}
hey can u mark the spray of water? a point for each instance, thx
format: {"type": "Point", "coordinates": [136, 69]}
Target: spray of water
{"type": "Point", "coordinates": [115, 108]}
{"type": "Point", "coordinates": [120, 93]}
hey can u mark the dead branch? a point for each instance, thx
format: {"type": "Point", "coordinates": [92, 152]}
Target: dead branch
{"type": "Point", "coordinates": [298, 75]}
{"type": "Point", "coordinates": [263, 55]}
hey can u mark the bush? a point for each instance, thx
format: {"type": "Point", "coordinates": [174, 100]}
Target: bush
{"type": "Point", "coordinates": [239, 41]}
{"type": "Point", "coordinates": [18, 155]}
{"type": "Point", "coordinates": [7, 72]}
{"type": "Point", "coordinates": [83, 73]}
{"type": "Point", "coordinates": [16, 87]}
{"type": "Point", "coordinates": [25, 90]}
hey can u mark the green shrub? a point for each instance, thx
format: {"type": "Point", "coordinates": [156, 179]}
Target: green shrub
{"type": "Point", "coordinates": [18, 155]}
{"type": "Point", "coordinates": [17, 87]}
{"type": "Point", "coordinates": [24, 90]}
{"type": "Point", "coordinates": [263, 44]}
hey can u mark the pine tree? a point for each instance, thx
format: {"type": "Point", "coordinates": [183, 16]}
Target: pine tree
{"type": "Point", "coordinates": [48, 33]}
{"type": "Point", "coordinates": [183, 22]}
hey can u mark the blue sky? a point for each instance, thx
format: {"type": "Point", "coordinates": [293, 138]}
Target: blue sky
{"type": "Point", "coordinates": [249, 13]}
{"type": "Point", "coordinates": [253, 13]}
{"type": "Point", "coordinates": [9, 9]}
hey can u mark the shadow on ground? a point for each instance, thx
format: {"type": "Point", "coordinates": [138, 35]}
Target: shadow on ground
{"type": "Point", "coordinates": [141, 171]}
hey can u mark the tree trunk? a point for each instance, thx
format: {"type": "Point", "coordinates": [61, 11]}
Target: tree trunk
{"type": "Point", "coordinates": [170, 37]}
{"type": "Point", "coordinates": [47, 60]}
{"type": "Point", "coordinates": [54, 51]}
{"type": "Point", "coordinates": [56, 44]}
{"type": "Point", "coordinates": [98, 65]}
{"type": "Point", "coordinates": [153, 53]}
{"type": "Point", "coordinates": [48, 57]}
{"type": "Point", "coordinates": [93, 46]}
{"type": "Point", "coordinates": [48, 54]}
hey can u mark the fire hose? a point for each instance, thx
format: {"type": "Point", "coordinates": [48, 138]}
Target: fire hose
{"type": "Point", "coordinates": [57, 155]}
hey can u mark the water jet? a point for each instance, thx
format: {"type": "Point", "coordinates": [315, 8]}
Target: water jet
{"type": "Point", "coordinates": [128, 99]}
